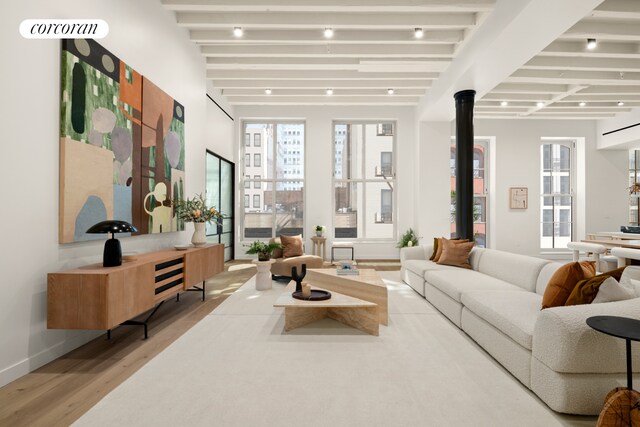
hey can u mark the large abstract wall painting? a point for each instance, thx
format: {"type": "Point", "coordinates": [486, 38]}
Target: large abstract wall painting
{"type": "Point", "coordinates": [121, 145]}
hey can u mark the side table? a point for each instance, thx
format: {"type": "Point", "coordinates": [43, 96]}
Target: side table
{"type": "Point", "coordinates": [319, 242]}
{"type": "Point", "coordinates": [263, 278]}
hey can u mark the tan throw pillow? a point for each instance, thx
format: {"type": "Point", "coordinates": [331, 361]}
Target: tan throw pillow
{"type": "Point", "coordinates": [277, 253]}
{"type": "Point", "coordinates": [564, 280]}
{"type": "Point", "coordinates": [435, 248]}
{"type": "Point", "coordinates": [456, 253]}
{"type": "Point", "coordinates": [291, 246]}
{"type": "Point", "coordinates": [440, 246]}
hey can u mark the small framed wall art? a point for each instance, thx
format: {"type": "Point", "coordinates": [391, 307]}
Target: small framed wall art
{"type": "Point", "coordinates": [518, 198]}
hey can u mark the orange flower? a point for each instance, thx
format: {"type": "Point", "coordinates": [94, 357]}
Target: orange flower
{"type": "Point", "coordinates": [196, 213]}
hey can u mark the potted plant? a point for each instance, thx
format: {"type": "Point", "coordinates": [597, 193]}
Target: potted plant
{"type": "Point", "coordinates": [408, 239]}
{"type": "Point", "coordinates": [263, 249]}
{"type": "Point", "coordinates": [196, 210]}
{"type": "Point", "coordinates": [320, 229]}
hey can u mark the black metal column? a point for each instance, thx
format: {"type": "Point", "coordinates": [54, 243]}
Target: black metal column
{"type": "Point", "coordinates": [464, 163]}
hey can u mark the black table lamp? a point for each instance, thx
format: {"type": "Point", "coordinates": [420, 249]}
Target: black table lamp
{"type": "Point", "coordinates": [112, 256]}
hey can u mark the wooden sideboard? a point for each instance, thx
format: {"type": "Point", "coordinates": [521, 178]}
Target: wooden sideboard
{"type": "Point", "coordinates": [97, 297]}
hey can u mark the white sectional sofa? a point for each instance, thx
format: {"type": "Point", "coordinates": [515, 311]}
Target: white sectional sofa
{"type": "Point", "coordinates": [570, 366]}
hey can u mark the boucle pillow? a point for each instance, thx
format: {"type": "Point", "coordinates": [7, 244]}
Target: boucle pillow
{"type": "Point", "coordinates": [564, 280]}
{"type": "Point", "coordinates": [291, 246]}
{"type": "Point", "coordinates": [456, 253]}
{"type": "Point", "coordinates": [586, 290]}
{"type": "Point", "coordinates": [611, 291]}
{"type": "Point", "coordinates": [630, 275]}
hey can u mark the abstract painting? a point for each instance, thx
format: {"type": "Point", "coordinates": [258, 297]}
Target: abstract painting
{"type": "Point", "coordinates": [122, 145]}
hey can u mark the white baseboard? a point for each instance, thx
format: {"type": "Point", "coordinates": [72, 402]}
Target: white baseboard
{"type": "Point", "coordinates": [32, 363]}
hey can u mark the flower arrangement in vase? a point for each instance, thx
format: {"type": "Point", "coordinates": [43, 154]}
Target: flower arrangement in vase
{"type": "Point", "coordinates": [320, 229]}
{"type": "Point", "coordinates": [196, 210]}
{"type": "Point", "coordinates": [262, 249]}
{"type": "Point", "coordinates": [408, 239]}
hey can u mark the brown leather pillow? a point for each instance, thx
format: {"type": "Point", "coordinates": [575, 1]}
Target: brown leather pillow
{"type": "Point", "coordinates": [440, 246]}
{"type": "Point", "coordinates": [435, 248]}
{"type": "Point", "coordinates": [291, 246]}
{"type": "Point", "coordinates": [456, 253]}
{"type": "Point", "coordinates": [564, 280]}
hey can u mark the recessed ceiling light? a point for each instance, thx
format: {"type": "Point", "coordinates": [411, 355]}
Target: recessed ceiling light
{"type": "Point", "coordinates": [267, 91]}
{"type": "Point", "coordinates": [504, 103]}
{"type": "Point", "coordinates": [591, 44]}
{"type": "Point", "coordinates": [582, 104]}
{"type": "Point", "coordinates": [540, 104]}
{"type": "Point", "coordinates": [237, 31]}
{"type": "Point", "coordinates": [329, 91]}
{"type": "Point", "coordinates": [620, 103]}
{"type": "Point", "coordinates": [390, 91]}
{"type": "Point", "coordinates": [418, 33]}
{"type": "Point", "coordinates": [328, 32]}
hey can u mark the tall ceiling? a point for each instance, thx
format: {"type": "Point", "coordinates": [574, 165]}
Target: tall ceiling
{"type": "Point", "coordinates": [373, 49]}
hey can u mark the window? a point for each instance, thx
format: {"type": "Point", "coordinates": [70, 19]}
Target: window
{"type": "Point", "coordinates": [247, 139]}
{"type": "Point", "coordinates": [220, 192]}
{"type": "Point", "coordinates": [277, 194]}
{"type": "Point", "coordinates": [480, 190]}
{"type": "Point", "coordinates": [247, 160]}
{"type": "Point", "coordinates": [556, 207]}
{"type": "Point", "coordinates": [363, 180]}
{"type": "Point", "coordinates": [634, 177]}
{"type": "Point", "coordinates": [246, 200]}
{"type": "Point", "coordinates": [247, 184]}
{"type": "Point", "coordinates": [257, 140]}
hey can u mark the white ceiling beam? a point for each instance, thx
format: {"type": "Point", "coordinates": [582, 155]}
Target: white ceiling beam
{"type": "Point", "coordinates": [520, 27]}
{"type": "Point", "coordinates": [530, 88]}
{"type": "Point", "coordinates": [321, 92]}
{"type": "Point", "coordinates": [621, 89]}
{"type": "Point", "coordinates": [557, 97]}
{"type": "Point", "coordinates": [314, 75]}
{"type": "Point", "coordinates": [574, 77]}
{"type": "Point", "coordinates": [321, 20]}
{"type": "Point", "coordinates": [410, 65]}
{"type": "Point", "coordinates": [496, 116]}
{"type": "Point", "coordinates": [322, 84]}
{"type": "Point", "coordinates": [332, 51]}
{"type": "Point", "coordinates": [594, 64]}
{"type": "Point", "coordinates": [381, 99]}
{"type": "Point", "coordinates": [316, 37]}
{"type": "Point", "coordinates": [617, 9]}
{"type": "Point", "coordinates": [601, 97]}
{"type": "Point", "coordinates": [515, 97]}
{"type": "Point", "coordinates": [337, 6]}
{"type": "Point", "coordinates": [619, 31]}
{"type": "Point", "coordinates": [604, 50]}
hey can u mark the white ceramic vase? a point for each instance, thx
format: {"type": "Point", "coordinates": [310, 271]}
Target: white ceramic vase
{"type": "Point", "coordinates": [199, 237]}
{"type": "Point", "coordinates": [318, 233]}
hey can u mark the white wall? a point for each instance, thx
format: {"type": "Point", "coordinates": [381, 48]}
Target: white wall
{"type": "Point", "coordinates": [144, 35]}
{"type": "Point", "coordinates": [517, 161]}
{"type": "Point", "coordinates": [219, 127]}
{"type": "Point", "coordinates": [318, 164]}
{"type": "Point", "coordinates": [622, 139]}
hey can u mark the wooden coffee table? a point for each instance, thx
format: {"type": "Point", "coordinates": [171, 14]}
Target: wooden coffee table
{"type": "Point", "coordinates": [354, 312]}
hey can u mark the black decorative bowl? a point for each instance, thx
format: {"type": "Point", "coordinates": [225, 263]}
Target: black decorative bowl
{"type": "Point", "coordinates": [316, 295]}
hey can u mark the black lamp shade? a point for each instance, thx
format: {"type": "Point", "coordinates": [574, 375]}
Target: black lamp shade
{"type": "Point", "coordinates": [112, 255]}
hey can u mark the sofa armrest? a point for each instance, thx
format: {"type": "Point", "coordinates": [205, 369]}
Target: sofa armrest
{"type": "Point", "coordinates": [415, 252]}
{"type": "Point", "coordinates": [564, 342]}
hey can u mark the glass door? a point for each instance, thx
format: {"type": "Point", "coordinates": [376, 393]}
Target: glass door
{"type": "Point", "coordinates": [220, 193]}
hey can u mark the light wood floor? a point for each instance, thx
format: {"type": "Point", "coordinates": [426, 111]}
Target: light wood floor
{"type": "Point", "coordinates": [60, 392]}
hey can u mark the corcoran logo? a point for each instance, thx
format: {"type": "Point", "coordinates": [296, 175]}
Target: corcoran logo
{"type": "Point", "coordinates": [64, 28]}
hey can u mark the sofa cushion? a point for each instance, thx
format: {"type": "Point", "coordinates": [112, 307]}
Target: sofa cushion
{"type": "Point", "coordinates": [586, 290]}
{"type": "Point", "coordinates": [456, 281]}
{"type": "Point", "coordinates": [520, 270]}
{"type": "Point", "coordinates": [544, 276]}
{"type": "Point", "coordinates": [564, 280]}
{"type": "Point", "coordinates": [292, 246]}
{"type": "Point", "coordinates": [419, 267]}
{"type": "Point", "coordinates": [514, 313]}
{"type": "Point", "coordinates": [610, 290]}
{"type": "Point", "coordinates": [456, 254]}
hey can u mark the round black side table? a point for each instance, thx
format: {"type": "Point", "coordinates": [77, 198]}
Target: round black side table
{"type": "Point", "coordinates": [620, 327]}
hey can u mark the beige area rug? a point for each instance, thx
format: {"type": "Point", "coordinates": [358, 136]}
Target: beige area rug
{"type": "Point", "coordinates": [237, 367]}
